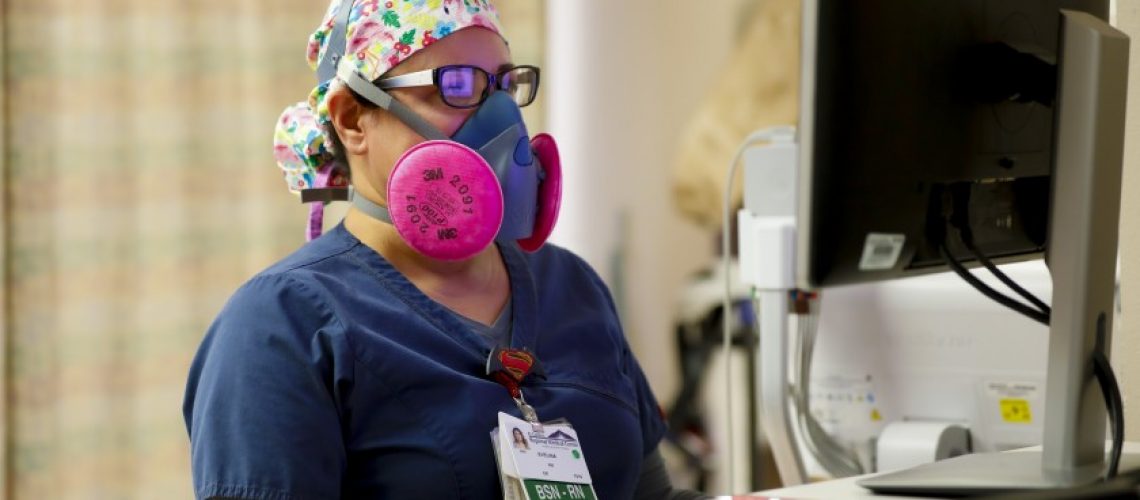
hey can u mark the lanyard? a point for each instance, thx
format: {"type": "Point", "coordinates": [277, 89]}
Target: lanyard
{"type": "Point", "coordinates": [509, 367]}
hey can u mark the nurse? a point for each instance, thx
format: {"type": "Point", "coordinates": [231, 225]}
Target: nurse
{"type": "Point", "coordinates": [373, 362]}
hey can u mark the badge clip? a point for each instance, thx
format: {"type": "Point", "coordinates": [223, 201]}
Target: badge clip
{"type": "Point", "coordinates": [509, 367]}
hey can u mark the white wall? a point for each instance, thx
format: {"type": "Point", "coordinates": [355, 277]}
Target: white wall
{"type": "Point", "coordinates": [621, 79]}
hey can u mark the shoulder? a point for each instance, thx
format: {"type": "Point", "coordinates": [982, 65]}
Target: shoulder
{"type": "Point", "coordinates": [265, 390]}
{"type": "Point", "coordinates": [274, 323]}
{"type": "Point", "coordinates": [280, 323]}
{"type": "Point", "coordinates": [553, 262]}
{"type": "Point", "coordinates": [280, 296]}
{"type": "Point", "coordinates": [289, 298]}
{"type": "Point", "coordinates": [333, 245]}
{"type": "Point", "coordinates": [299, 280]}
{"type": "Point", "coordinates": [566, 277]}
{"type": "Point", "coordinates": [566, 284]}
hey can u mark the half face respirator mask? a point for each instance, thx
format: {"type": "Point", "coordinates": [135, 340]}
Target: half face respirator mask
{"type": "Point", "coordinates": [451, 197]}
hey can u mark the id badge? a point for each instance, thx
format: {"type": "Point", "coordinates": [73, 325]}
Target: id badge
{"type": "Point", "coordinates": [541, 462]}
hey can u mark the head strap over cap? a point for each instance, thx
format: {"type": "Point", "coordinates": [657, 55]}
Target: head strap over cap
{"type": "Point", "coordinates": [334, 51]}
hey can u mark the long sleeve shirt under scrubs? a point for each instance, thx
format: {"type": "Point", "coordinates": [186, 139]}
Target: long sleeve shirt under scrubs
{"type": "Point", "coordinates": [330, 375]}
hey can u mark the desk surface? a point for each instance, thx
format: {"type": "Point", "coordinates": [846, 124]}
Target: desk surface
{"type": "Point", "coordinates": [846, 487]}
{"type": "Point", "coordinates": [830, 490]}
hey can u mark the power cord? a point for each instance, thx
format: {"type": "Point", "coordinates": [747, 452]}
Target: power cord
{"type": "Point", "coordinates": [1033, 313]}
{"type": "Point", "coordinates": [764, 135]}
{"type": "Point", "coordinates": [1102, 369]}
{"type": "Point", "coordinates": [967, 236]}
{"type": "Point", "coordinates": [1112, 399]}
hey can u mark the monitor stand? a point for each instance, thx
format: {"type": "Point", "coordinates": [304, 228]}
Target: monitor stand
{"type": "Point", "coordinates": [983, 474]}
{"type": "Point", "coordinates": [1081, 255]}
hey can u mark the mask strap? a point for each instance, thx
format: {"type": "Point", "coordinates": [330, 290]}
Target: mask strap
{"type": "Point", "coordinates": [317, 208]}
{"type": "Point", "coordinates": [371, 208]}
{"type": "Point", "coordinates": [334, 49]}
{"type": "Point", "coordinates": [347, 72]}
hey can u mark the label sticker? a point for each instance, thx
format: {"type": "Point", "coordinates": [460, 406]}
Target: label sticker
{"type": "Point", "coordinates": [1015, 399]}
{"type": "Point", "coordinates": [881, 251]}
{"type": "Point", "coordinates": [1012, 390]}
{"type": "Point", "coordinates": [847, 405]}
{"type": "Point", "coordinates": [1016, 411]}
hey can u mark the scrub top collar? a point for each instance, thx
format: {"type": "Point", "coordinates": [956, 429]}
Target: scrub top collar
{"type": "Point", "coordinates": [524, 297]}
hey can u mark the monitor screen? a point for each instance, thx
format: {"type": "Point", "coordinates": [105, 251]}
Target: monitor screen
{"type": "Point", "coordinates": [901, 118]}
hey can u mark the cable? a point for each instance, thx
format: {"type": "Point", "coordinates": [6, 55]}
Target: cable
{"type": "Point", "coordinates": [1112, 400]}
{"type": "Point", "coordinates": [837, 460]}
{"type": "Point", "coordinates": [830, 454]}
{"type": "Point", "coordinates": [967, 236]}
{"type": "Point", "coordinates": [726, 315]}
{"type": "Point", "coordinates": [1102, 369]}
{"type": "Point", "coordinates": [1036, 315]}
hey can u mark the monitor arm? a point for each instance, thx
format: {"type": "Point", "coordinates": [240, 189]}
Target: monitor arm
{"type": "Point", "coordinates": [767, 236]}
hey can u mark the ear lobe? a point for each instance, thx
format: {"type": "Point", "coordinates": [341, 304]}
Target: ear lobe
{"type": "Point", "coordinates": [347, 116]}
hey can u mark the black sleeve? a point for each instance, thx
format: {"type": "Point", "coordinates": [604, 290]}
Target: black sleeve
{"type": "Point", "coordinates": [653, 482]}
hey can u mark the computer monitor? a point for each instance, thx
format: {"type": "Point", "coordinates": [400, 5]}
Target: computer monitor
{"type": "Point", "coordinates": [911, 95]}
{"type": "Point", "coordinates": [1003, 116]}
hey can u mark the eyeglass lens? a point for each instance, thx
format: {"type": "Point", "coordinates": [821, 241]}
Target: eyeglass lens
{"type": "Point", "coordinates": [465, 86]}
{"type": "Point", "coordinates": [462, 86]}
{"type": "Point", "coordinates": [520, 83]}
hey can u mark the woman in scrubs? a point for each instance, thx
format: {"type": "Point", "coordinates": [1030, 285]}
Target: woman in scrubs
{"type": "Point", "coordinates": [357, 367]}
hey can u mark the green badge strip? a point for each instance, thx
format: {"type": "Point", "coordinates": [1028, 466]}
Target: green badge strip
{"type": "Point", "coordinates": [550, 490]}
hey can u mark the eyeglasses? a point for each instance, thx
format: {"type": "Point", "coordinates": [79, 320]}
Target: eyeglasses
{"type": "Point", "coordinates": [463, 86]}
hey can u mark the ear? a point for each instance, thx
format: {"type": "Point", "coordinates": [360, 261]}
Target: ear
{"type": "Point", "coordinates": [347, 116]}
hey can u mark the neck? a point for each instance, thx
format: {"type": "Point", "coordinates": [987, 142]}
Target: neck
{"type": "Point", "coordinates": [440, 279]}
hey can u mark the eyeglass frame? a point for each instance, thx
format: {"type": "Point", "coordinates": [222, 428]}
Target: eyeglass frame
{"type": "Point", "coordinates": [431, 77]}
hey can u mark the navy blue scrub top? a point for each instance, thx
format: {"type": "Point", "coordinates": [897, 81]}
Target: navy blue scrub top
{"type": "Point", "coordinates": [330, 375]}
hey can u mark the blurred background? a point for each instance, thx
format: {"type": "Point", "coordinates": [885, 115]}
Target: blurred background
{"type": "Point", "coordinates": [139, 191]}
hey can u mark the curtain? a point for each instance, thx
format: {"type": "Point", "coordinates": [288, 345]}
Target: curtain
{"type": "Point", "coordinates": [139, 192]}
